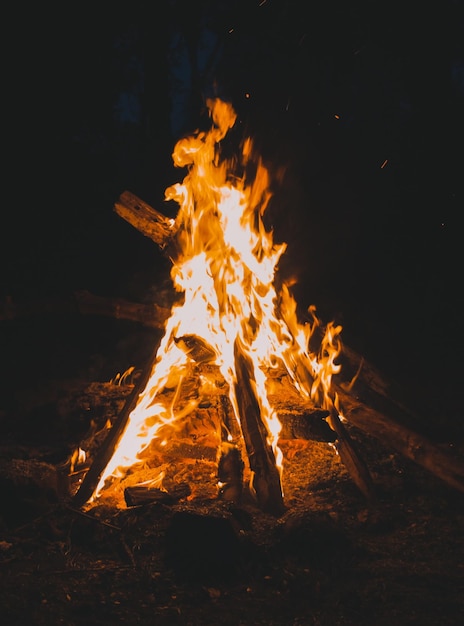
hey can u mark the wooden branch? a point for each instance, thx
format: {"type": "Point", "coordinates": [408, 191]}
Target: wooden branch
{"type": "Point", "coordinates": [142, 494]}
{"type": "Point", "coordinates": [410, 444]}
{"type": "Point", "coordinates": [13, 309]}
{"type": "Point", "coordinates": [150, 314]}
{"type": "Point", "coordinates": [362, 379]}
{"type": "Point", "coordinates": [346, 448]}
{"type": "Point", "coordinates": [104, 454]}
{"type": "Point", "coordinates": [146, 219]}
{"type": "Point", "coordinates": [374, 404]}
{"type": "Point", "coordinates": [266, 479]}
{"type": "Point", "coordinates": [230, 473]}
{"type": "Point", "coordinates": [351, 458]}
{"type": "Point", "coordinates": [309, 424]}
{"type": "Point", "coordinates": [85, 303]}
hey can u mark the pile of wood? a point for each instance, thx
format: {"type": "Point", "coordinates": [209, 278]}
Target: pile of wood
{"type": "Point", "coordinates": [370, 403]}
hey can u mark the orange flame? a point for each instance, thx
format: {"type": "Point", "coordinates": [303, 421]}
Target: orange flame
{"type": "Point", "coordinates": [226, 271]}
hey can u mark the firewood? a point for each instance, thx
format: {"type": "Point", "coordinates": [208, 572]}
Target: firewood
{"type": "Point", "coordinates": [351, 458]}
{"type": "Point", "coordinates": [11, 309]}
{"type": "Point", "coordinates": [266, 480]}
{"type": "Point", "coordinates": [83, 302]}
{"type": "Point", "coordinates": [148, 314]}
{"type": "Point", "coordinates": [196, 348]}
{"type": "Point", "coordinates": [413, 445]}
{"type": "Point", "coordinates": [230, 473]}
{"type": "Point", "coordinates": [147, 220]}
{"type": "Point", "coordinates": [309, 425]}
{"type": "Point", "coordinates": [102, 458]}
{"type": "Point", "coordinates": [144, 494]}
{"type": "Point", "coordinates": [359, 377]}
{"type": "Point", "coordinates": [347, 450]}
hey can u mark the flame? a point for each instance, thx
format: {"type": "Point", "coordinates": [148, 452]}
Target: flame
{"type": "Point", "coordinates": [78, 457]}
{"type": "Point", "coordinates": [226, 272]}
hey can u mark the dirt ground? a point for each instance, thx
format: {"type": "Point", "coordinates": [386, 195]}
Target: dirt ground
{"type": "Point", "coordinates": [333, 558]}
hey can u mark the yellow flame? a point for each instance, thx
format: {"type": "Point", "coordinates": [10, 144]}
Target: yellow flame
{"type": "Point", "coordinates": [78, 457]}
{"type": "Point", "coordinates": [226, 271]}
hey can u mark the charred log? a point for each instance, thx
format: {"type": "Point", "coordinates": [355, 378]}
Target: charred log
{"type": "Point", "coordinates": [102, 458]}
{"type": "Point", "coordinates": [351, 457]}
{"type": "Point", "coordinates": [309, 425]}
{"type": "Point", "coordinates": [414, 446]}
{"type": "Point", "coordinates": [85, 303]}
{"type": "Point", "coordinates": [230, 473]}
{"type": "Point", "coordinates": [346, 448]}
{"type": "Point", "coordinates": [266, 480]}
{"type": "Point", "coordinates": [149, 314]}
{"type": "Point", "coordinates": [147, 220]}
{"type": "Point", "coordinates": [142, 494]}
{"type": "Point", "coordinates": [196, 348]}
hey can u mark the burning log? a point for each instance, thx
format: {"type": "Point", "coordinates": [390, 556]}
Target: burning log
{"type": "Point", "coordinates": [146, 219]}
{"type": "Point", "coordinates": [230, 473]}
{"type": "Point", "coordinates": [309, 425]}
{"type": "Point", "coordinates": [196, 348]}
{"type": "Point", "coordinates": [145, 494]}
{"type": "Point", "coordinates": [196, 437]}
{"type": "Point", "coordinates": [266, 479]}
{"type": "Point", "coordinates": [92, 478]}
{"type": "Point", "coordinates": [351, 458]}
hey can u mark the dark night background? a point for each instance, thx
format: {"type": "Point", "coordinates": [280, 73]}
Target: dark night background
{"type": "Point", "coordinates": [336, 90]}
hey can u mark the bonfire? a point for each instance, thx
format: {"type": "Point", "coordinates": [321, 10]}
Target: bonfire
{"type": "Point", "coordinates": [231, 343]}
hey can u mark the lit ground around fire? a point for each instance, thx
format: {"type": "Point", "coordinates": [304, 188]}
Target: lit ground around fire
{"type": "Point", "coordinates": [333, 558]}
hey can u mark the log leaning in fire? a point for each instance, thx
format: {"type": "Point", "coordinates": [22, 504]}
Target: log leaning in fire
{"type": "Point", "coordinates": [147, 220]}
{"type": "Point", "coordinates": [266, 478]}
{"type": "Point", "coordinates": [351, 458]}
{"type": "Point", "coordinates": [409, 443]}
{"type": "Point", "coordinates": [346, 447]}
{"type": "Point", "coordinates": [230, 473]}
{"type": "Point", "coordinates": [85, 303]}
{"type": "Point", "coordinates": [308, 425]}
{"type": "Point", "coordinates": [148, 314]}
{"type": "Point", "coordinates": [101, 460]}
{"type": "Point", "coordinates": [361, 378]}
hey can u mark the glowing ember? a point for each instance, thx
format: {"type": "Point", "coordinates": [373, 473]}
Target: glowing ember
{"type": "Point", "coordinates": [231, 315]}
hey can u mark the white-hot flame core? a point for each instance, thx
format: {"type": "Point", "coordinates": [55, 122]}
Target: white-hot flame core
{"type": "Point", "coordinates": [226, 271]}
